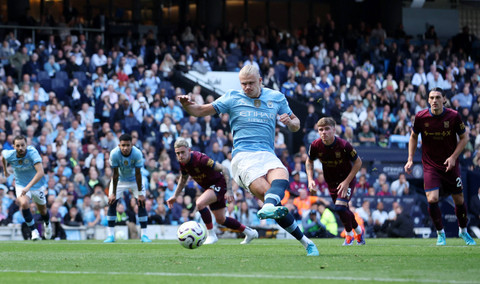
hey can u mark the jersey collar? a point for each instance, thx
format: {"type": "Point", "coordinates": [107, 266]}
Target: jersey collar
{"type": "Point", "coordinates": [443, 112]}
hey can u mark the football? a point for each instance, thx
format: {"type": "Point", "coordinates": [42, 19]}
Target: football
{"type": "Point", "coordinates": [191, 235]}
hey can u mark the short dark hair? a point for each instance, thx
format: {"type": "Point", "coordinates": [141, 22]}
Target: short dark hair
{"type": "Point", "coordinates": [125, 137]}
{"type": "Point", "coordinates": [19, 137]}
{"type": "Point", "coordinates": [437, 89]}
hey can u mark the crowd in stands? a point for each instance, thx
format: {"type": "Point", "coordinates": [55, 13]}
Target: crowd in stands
{"type": "Point", "coordinates": [72, 97]}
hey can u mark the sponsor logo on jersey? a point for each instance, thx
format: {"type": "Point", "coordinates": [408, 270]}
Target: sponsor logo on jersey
{"type": "Point", "coordinates": [210, 163]}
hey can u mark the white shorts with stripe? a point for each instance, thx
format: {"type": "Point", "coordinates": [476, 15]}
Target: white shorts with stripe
{"type": "Point", "coordinates": [248, 166]}
{"type": "Point", "coordinates": [126, 185]}
{"type": "Point", "coordinates": [37, 195]}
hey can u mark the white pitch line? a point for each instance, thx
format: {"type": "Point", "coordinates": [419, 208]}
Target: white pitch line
{"type": "Point", "coordinates": [261, 276]}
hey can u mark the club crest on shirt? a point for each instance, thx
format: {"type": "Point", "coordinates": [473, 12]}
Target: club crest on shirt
{"type": "Point", "coordinates": [338, 155]}
{"type": "Point", "coordinates": [446, 124]}
{"type": "Point", "coordinates": [125, 163]}
{"type": "Point", "coordinates": [257, 103]}
{"type": "Point", "coordinates": [270, 104]}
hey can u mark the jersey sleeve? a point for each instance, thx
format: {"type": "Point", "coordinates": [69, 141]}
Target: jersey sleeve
{"type": "Point", "coordinates": [35, 156]}
{"type": "Point", "coordinates": [312, 152]}
{"type": "Point", "coordinates": [138, 159]}
{"type": "Point", "coordinates": [113, 160]}
{"type": "Point", "coordinates": [416, 124]}
{"type": "Point", "coordinates": [284, 107]}
{"type": "Point", "coordinates": [459, 125]}
{"type": "Point", "coordinates": [351, 152]}
{"type": "Point", "coordinates": [207, 161]}
{"type": "Point", "coordinates": [222, 104]}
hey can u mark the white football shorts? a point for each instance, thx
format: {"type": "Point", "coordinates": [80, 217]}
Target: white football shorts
{"type": "Point", "coordinates": [126, 185]}
{"type": "Point", "coordinates": [37, 195]}
{"type": "Point", "coordinates": [248, 166]}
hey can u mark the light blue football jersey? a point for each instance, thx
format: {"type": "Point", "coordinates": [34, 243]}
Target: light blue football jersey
{"type": "Point", "coordinates": [126, 165]}
{"type": "Point", "coordinates": [24, 168]}
{"type": "Point", "coordinates": [253, 121]}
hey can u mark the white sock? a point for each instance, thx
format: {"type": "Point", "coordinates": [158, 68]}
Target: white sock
{"type": "Point", "coordinates": [143, 231]}
{"type": "Point", "coordinates": [462, 230]}
{"type": "Point", "coordinates": [442, 231]}
{"type": "Point", "coordinates": [358, 230]}
{"type": "Point", "coordinates": [111, 231]}
{"type": "Point", "coordinates": [305, 241]}
{"type": "Point", "coordinates": [212, 233]}
{"type": "Point", "coordinates": [350, 233]}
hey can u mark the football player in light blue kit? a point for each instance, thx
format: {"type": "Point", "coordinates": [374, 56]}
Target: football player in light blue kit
{"type": "Point", "coordinates": [126, 161]}
{"type": "Point", "coordinates": [253, 114]}
{"type": "Point", "coordinates": [29, 182]}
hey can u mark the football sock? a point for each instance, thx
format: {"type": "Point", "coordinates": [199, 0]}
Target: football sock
{"type": "Point", "coordinates": [46, 218]}
{"type": "Point", "coordinates": [110, 231]}
{"type": "Point", "coordinates": [358, 230]}
{"type": "Point", "coordinates": [462, 230]}
{"type": "Point", "coordinates": [461, 212]}
{"type": "Point", "coordinates": [142, 217]}
{"type": "Point", "coordinates": [206, 217]}
{"type": "Point", "coordinates": [305, 241]}
{"type": "Point", "coordinates": [276, 192]}
{"type": "Point", "coordinates": [112, 216]}
{"type": "Point", "coordinates": [143, 231]}
{"type": "Point", "coordinates": [350, 234]}
{"type": "Point", "coordinates": [233, 224]}
{"type": "Point", "coordinates": [27, 215]}
{"type": "Point", "coordinates": [289, 224]}
{"type": "Point", "coordinates": [346, 216]}
{"type": "Point", "coordinates": [436, 215]}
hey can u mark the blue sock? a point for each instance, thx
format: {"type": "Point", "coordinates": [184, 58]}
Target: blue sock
{"type": "Point", "coordinates": [289, 224]}
{"type": "Point", "coordinates": [142, 217]}
{"type": "Point", "coordinates": [27, 215]}
{"type": "Point", "coordinates": [276, 192]}
{"type": "Point", "coordinates": [112, 214]}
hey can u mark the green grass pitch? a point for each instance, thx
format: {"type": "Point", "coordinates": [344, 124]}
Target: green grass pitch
{"type": "Point", "coordinates": [263, 261]}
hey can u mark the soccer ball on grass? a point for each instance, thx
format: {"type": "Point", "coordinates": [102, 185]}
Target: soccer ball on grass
{"type": "Point", "coordinates": [191, 235]}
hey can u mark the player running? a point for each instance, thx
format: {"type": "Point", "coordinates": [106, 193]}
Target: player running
{"type": "Point", "coordinates": [337, 156]}
{"type": "Point", "coordinates": [30, 182]}
{"type": "Point", "coordinates": [215, 179]}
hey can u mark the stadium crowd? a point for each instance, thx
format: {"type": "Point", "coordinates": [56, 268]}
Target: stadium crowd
{"type": "Point", "coordinates": [72, 97]}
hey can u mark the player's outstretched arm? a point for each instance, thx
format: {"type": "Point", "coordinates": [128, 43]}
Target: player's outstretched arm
{"type": "Point", "coordinates": [412, 147]}
{"type": "Point", "coordinates": [226, 175]}
{"type": "Point", "coordinates": [450, 162]}
{"type": "Point", "coordinates": [343, 186]}
{"type": "Point", "coordinates": [36, 178]}
{"type": "Point", "coordinates": [4, 163]}
{"type": "Point", "coordinates": [312, 187]}
{"type": "Point", "coordinates": [112, 197]}
{"type": "Point", "coordinates": [291, 121]}
{"type": "Point", "coordinates": [181, 184]}
{"type": "Point", "coordinates": [195, 109]}
{"type": "Point", "coordinates": [138, 179]}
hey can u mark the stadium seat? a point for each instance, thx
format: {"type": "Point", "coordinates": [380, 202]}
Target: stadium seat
{"type": "Point", "coordinates": [60, 88]}
{"type": "Point", "coordinates": [42, 75]}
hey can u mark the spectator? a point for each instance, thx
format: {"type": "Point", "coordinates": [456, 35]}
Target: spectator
{"type": "Point", "coordinates": [400, 186]}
